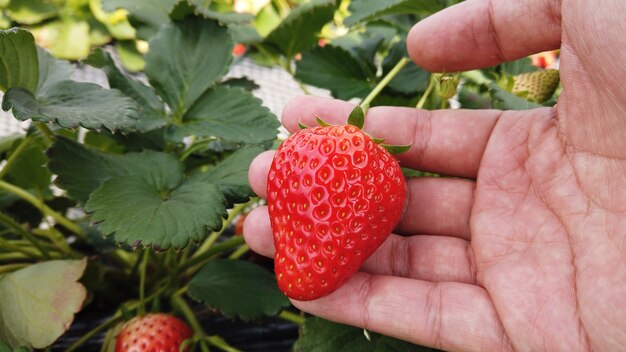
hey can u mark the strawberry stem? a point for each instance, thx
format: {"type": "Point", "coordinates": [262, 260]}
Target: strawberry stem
{"type": "Point", "coordinates": [429, 89]}
{"type": "Point", "coordinates": [142, 281]}
{"type": "Point", "coordinates": [218, 248]}
{"type": "Point", "coordinates": [291, 317]}
{"type": "Point", "coordinates": [43, 208]}
{"type": "Point", "coordinates": [383, 83]}
{"type": "Point", "coordinates": [186, 310]}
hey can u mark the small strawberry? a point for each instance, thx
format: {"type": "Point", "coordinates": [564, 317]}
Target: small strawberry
{"type": "Point", "coordinates": [153, 332]}
{"type": "Point", "coordinates": [334, 195]}
{"type": "Point", "coordinates": [239, 49]}
{"type": "Point", "coordinates": [540, 85]}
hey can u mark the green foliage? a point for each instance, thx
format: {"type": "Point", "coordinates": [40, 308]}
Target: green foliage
{"type": "Point", "coordinates": [296, 33]}
{"type": "Point", "coordinates": [366, 10]}
{"type": "Point", "coordinates": [178, 66]}
{"type": "Point", "coordinates": [335, 69]}
{"type": "Point", "coordinates": [18, 60]}
{"type": "Point", "coordinates": [39, 302]}
{"type": "Point", "coordinates": [319, 335]}
{"type": "Point", "coordinates": [238, 288]}
{"type": "Point", "coordinates": [72, 104]}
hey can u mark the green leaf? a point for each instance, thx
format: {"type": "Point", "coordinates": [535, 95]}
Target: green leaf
{"type": "Point", "coordinates": [244, 33]}
{"type": "Point", "coordinates": [72, 41]}
{"type": "Point", "coordinates": [357, 117]}
{"type": "Point", "coordinates": [72, 104]}
{"type": "Point", "coordinates": [523, 65]}
{"type": "Point", "coordinates": [229, 113]}
{"type": "Point", "coordinates": [152, 115]}
{"type": "Point", "coordinates": [151, 14]}
{"type": "Point", "coordinates": [18, 60]}
{"type": "Point", "coordinates": [297, 32]}
{"type": "Point", "coordinates": [6, 348]}
{"type": "Point", "coordinates": [81, 170]}
{"type": "Point", "coordinates": [38, 302]}
{"type": "Point", "coordinates": [202, 7]}
{"type": "Point", "coordinates": [231, 175]}
{"type": "Point", "coordinates": [319, 335]}
{"type": "Point", "coordinates": [396, 149]}
{"type": "Point", "coordinates": [237, 288]}
{"type": "Point", "coordinates": [411, 79]}
{"type": "Point", "coordinates": [136, 210]}
{"type": "Point", "coordinates": [364, 44]}
{"type": "Point", "coordinates": [501, 99]}
{"type": "Point", "coordinates": [31, 11]}
{"type": "Point", "coordinates": [116, 24]}
{"type": "Point", "coordinates": [5, 21]}
{"type": "Point", "coordinates": [28, 170]}
{"type": "Point", "coordinates": [130, 56]}
{"type": "Point", "coordinates": [51, 71]}
{"type": "Point", "coordinates": [365, 10]}
{"type": "Point", "coordinates": [186, 59]}
{"type": "Point", "coordinates": [243, 83]}
{"type": "Point", "coordinates": [335, 69]}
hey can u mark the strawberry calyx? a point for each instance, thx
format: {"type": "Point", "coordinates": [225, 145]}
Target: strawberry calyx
{"type": "Point", "coordinates": [357, 119]}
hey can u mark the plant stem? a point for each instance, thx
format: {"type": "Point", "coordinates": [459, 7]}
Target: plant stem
{"type": "Point", "coordinates": [198, 145]}
{"type": "Point", "coordinates": [179, 302]}
{"type": "Point", "coordinates": [216, 341]}
{"type": "Point", "coordinates": [145, 255]}
{"type": "Point", "coordinates": [243, 249]}
{"type": "Point", "coordinates": [444, 103]}
{"type": "Point", "coordinates": [12, 224]}
{"type": "Point", "coordinates": [47, 133]}
{"type": "Point", "coordinates": [106, 325]}
{"type": "Point", "coordinates": [224, 246]}
{"type": "Point", "coordinates": [429, 89]}
{"type": "Point", "coordinates": [39, 204]}
{"type": "Point", "coordinates": [215, 235]}
{"type": "Point", "coordinates": [384, 82]}
{"type": "Point", "coordinates": [24, 250]}
{"type": "Point", "coordinates": [4, 269]}
{"type": "Point", "coordinates": [292, 317]}
{"type": "Point", "coordinates": [20, 148]}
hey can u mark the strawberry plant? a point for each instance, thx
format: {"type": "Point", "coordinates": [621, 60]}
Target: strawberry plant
{"type": "Point", "coordinates": [124, 200]}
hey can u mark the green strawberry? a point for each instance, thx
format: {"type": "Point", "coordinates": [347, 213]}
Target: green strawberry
{"type": "Point", "coordinates": [540, 85]}
{"type": "Point", "coordinates": [153, 332]}
{"type": "Point", "coordinates": [334, 195]}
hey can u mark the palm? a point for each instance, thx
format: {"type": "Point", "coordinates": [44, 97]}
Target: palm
{"type": "Point", "coordinates": [521, 247]}
{"type": "Point", "coordinates": [526, 249]}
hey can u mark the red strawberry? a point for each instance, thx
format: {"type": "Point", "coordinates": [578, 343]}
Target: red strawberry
{"type": "Point", "coordinates": [334, 196]}
{"type": "Point", "coordinates": [153, 333]}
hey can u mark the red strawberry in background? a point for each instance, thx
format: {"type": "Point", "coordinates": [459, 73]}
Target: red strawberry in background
{"type": "Point", "coordinates": [334, 196]}
{"type": "Point", "coordinates": [157, 332]}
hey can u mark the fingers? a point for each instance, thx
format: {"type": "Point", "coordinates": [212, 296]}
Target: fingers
{"type": "Point", "coordinates": [438, 206]}
{"type": "Point", "coordinates": [449, 142]}
{"type": "Point", "coordinates": [257, 173]}
{"type": "Point", "coordinates": [448, 316]}
{"type": "Point", "coordinates": [435, 258]}
{"type": "Point", "coordinates": [482, 33]}
{"type": "Point", "coordinates": [429, 258]}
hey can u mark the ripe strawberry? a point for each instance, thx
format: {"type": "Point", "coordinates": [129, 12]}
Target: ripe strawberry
{"type": "Point", "coordinates": [334, 196]}
{"type": "Point", "coordinates": [157, 332]}
{"type": "Point", "coordinates": [540, 85]}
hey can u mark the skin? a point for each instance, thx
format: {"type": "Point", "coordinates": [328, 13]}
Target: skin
{"type": "Point", "coordinates": [524, 246]}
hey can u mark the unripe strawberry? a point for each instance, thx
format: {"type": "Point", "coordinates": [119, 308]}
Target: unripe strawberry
{"type": "Point", "coordinates": [153, 332]}
{"type": "Point", "coordinates": [334, 196]}
{"type": "Point", "coordinates": [540, 85]}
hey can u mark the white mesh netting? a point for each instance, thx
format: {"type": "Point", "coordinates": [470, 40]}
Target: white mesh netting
{"type": "Point", "coordinates": [276, 88]}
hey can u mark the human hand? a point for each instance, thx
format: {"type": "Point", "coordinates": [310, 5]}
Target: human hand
{"type": "Point", "coordinates": [524, 246]}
